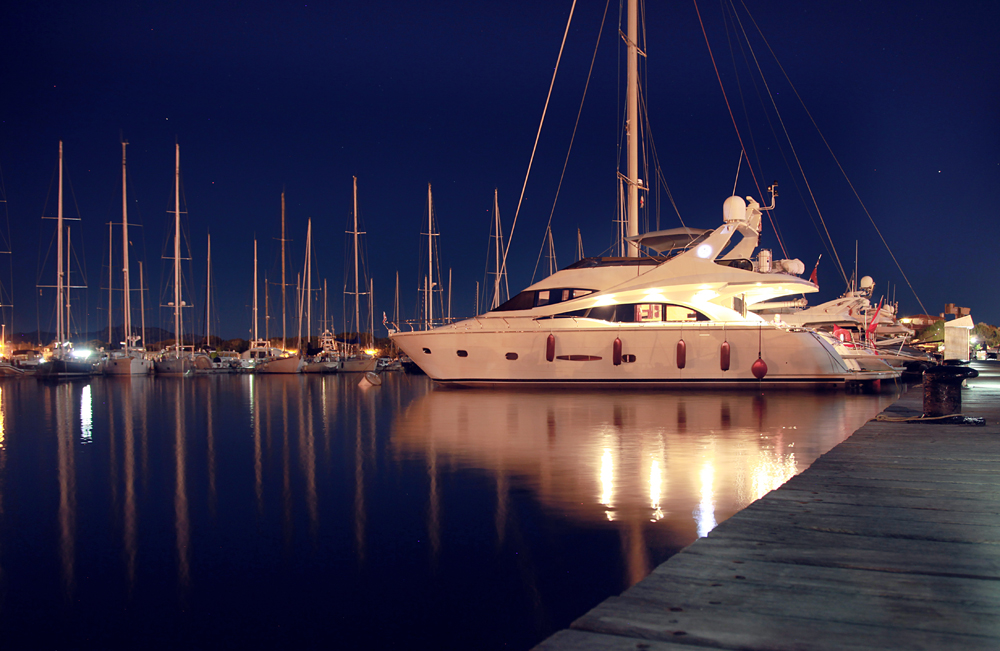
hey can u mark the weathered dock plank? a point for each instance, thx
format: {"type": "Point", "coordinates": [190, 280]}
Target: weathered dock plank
{"type": "Point", "coordinates": [889, 541]}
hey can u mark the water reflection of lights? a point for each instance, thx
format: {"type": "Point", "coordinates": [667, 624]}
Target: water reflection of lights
{"type": "Point", "coordinates": [86, 416]}
{"type": "Point", "coordinates": [674, 463]}
{"type": "Point", "coordinates": [3, 425]}
{"type": "Point", "coordinates": [607, 482]}
{"type": "Point", "coordinates": [771, 471]}
{"type": "Point", "coordinates": [655, 490]}
{"type": "Point", "coordinates": [705, 513]}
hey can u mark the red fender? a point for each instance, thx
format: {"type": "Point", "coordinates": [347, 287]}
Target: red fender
{"type": "Point", "coordinates": [724, 356]}
{"type": "Point", "coordinates": [759, 369]}
{"type": "Point", "coordinates": [550, 348]}
{"type": "Point", "coordinates": [681, 354]}
{"type": "Point", "coordinates": [616, 352]}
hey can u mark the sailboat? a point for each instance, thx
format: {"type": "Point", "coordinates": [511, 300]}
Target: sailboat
{"type": "Point", "coordinates": [260, 350]}
{"type": "Point", "coordinates": [282, 362]}
{"type": "Point", "coordinates": [354, 360]}
{"type": "Point", "coordinates": [63, 363]}
{"type": "Point", "coordinates": [128, 361]}
{"type": "Point", "coordinates": [180, 359]}
{"type": "Point", "coordinates": [679, 316]}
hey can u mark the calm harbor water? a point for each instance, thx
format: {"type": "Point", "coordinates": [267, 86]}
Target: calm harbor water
{"type": "Point", "coordinates": [306, 512]}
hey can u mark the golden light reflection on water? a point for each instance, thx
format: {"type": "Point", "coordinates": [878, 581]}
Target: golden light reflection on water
{"type": "Point", "coordinates": [705, 513]}
{"type": "Point", "coordinates": [67, 485]}
{"type": "Point", "coordinates": [655, 490]}
{"type": "Point", "coordinates": [182, 523]}
{"type": "Point", "coordinates": [608, 483]}
{"type": "Point", "coordinates": [3, 423]}
{"type": "Point", "coordinates": [669, 465]}
{"type": "Point", "coordinates": [86, 416]}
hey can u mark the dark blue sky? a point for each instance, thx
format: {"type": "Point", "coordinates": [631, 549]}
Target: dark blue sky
{"type": "Point", "coordinates": [303, 96]}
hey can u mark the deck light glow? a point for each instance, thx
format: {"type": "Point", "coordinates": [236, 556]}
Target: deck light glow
{"type": "Point", "coordinates": [705, 295]}
{"type": "Point", "coordinates": [704, 251]}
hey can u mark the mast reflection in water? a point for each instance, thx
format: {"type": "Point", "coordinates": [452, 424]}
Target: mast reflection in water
{"type": "Point", "coordinates": [298, 510]}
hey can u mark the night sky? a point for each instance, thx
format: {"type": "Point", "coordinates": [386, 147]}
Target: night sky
{"type": "Point", "coordinates": [263, 96]}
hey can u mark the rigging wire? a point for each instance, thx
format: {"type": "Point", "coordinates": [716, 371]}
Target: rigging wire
{"type": "Point", "coordinates": [569, 150]}
{"type": "Point", "coordinates": [788, 138]}
{"type": "Point", "coordinates": [837, 161]}
{"type": "Point", "coordinates": [725, 97]}
{"type": "Point", "coordinates": [749, 122]}
{"type": "Point", "coordinates": [534, 148]}
{"type": "Point", "coordinates": [781, 150]}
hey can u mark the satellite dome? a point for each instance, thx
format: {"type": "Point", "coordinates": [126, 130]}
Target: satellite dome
{"type": "Point", "coordinates": [866, 282]}
{"type": "Point", "coordinates": [734, 210]}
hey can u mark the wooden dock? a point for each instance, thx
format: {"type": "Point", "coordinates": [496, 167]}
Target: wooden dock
{"type": "Point", "coordinates": [889, 541]}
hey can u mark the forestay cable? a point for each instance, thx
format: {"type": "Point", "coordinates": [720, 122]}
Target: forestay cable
{"type": "Point", "coordinates": [537, 136]}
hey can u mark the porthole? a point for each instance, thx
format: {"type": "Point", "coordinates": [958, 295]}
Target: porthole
{"type": "Point", "coordinates": [427, 351]}
{"type": "Point", "coordinates": [462, 353]}
{"type": "Point", "coordinates": [628, 359]}
{"type": "Point", "coordinates": [512, 356]}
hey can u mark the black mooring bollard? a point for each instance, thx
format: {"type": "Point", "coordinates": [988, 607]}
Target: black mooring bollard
{"type": "Point", "coordinates": [943, 389]}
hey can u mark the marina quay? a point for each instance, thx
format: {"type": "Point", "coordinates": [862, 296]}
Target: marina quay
{"type": "Point", "coordinates": [888, 541]}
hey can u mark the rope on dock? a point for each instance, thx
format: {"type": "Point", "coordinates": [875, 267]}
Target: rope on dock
{"type": "Point", "coordinates": [950, 419]}
{"type": "Point", "coordinates": [913, 419]}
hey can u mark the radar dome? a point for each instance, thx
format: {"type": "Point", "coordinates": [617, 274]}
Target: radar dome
{"type": "Point", "coordinates": [734, 210]}
{"type": "Point", "coordinates": [866, 282]}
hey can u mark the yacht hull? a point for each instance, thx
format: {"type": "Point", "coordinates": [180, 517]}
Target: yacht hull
{"type": "Point", "coordinates": [583, 352]}
{"type": "Point", "coordinates": [128, 366]}
{"type": "Point", "coordinates": [174, 366]}
{"type": "Point", "coordinates": [55, 369]}
{"type": "Point", "coordinates": [357, 365]}
{"type": "Point", "coordinates": [280, 365]}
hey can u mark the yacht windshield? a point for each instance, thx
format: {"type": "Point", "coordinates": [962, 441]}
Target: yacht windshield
{"type": "Point", "coordinates": [539, 297]}
{"type": "Point", "coordinates": [638, 313]}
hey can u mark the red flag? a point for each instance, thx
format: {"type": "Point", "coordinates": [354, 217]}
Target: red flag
{"type": "Point", "coordinates": [871, 326]}
{"type": "Point", "coordinates": [812, 276]}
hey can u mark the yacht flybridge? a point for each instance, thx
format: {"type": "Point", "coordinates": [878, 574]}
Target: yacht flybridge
{"type": "Point", "coordinates": [652, 321]}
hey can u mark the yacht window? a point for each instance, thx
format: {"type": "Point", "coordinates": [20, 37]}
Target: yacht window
{"type": "Point", "coordinates": [529, 299]}
{"type": "Point", "coordinates": [680, 313]}
{"type": "Point", "coordinates": [550, 296]}
{"type": "Point", "coordinates": [649, 312]}
{"type": "Point", "coordinates": [523, 301]}
{"type": "Point", "coordinates": [511, 356]}
{"type": "Point", "coordinates": [462, 353]}
{"type": "Point", "coordinates": [638, 313]}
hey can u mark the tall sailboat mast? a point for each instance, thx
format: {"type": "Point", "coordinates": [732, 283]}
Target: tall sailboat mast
{"type": "Point", "coordinates": [632, 130]}
{"type": "Point", "coordinates": [126, 298]}
{"type": "Point", "coordinates": [60, 278]}
{"type": "Point", "coordinates": [254, 292]}
{"type": "Point", "coordinates": [309, 273]}
{"type": "Point", "coordinates": [208, 293]}
{"type": "Point", "coordinates": [357, 296]}
{"type": "Point", "coordinates": [500, 278]}
{"type": "Point", "coordinates": [142, 306]}
{"type": "Point", "coordinates": [177, 250]}
{"type": "Point", "coordinates": [283, 305]}
{"type": "Point", "coordinates": [430, 258]}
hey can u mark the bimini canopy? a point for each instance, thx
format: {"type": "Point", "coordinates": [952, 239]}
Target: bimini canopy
{"type": "Point", "coordinates": [670, 239]}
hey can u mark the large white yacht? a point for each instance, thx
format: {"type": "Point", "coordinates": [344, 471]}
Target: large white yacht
{"type": "Point", "coordinates": [645, 320]}
{"type": "Point", "coordinates": [652, 321]}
